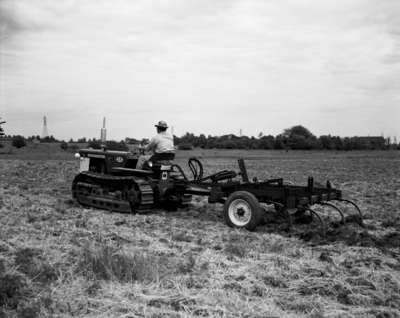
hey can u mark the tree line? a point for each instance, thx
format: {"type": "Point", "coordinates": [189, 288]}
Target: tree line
{"type": "Point", "coordinates": [294, 138]}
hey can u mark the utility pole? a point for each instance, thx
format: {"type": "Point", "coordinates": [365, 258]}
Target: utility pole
{"type": "Point", "coordinates": [45, 132]}
{"type": "Point", "coordinates": [103, 132]}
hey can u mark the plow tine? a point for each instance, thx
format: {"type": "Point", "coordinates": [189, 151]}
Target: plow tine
{"type": "Point", "coordinates": [288, 217]}
{"type": "Point", "coordinates": [319, 219]}
{"type": "Point", "coordinates": [360, 221]}
{"type": "Point", "coordinates": [337, 209]}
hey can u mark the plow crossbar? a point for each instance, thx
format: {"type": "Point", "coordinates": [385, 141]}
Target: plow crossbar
{"type": "Point", "coordinates": [288, 195]}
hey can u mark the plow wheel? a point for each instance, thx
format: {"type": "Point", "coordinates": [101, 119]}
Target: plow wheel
{"type": "Point", "coordinates": [242, 210]}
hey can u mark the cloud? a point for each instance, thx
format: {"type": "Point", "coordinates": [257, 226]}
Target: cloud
{"type": "Point", "coordinates": [20, 16]}
{"type": "Point", "coordinates": [262, 64]}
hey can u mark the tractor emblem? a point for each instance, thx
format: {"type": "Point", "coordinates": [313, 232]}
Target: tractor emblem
{"type": "Point", "coordinates": [119, 159]}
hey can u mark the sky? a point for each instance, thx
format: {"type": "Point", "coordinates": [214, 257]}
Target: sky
{"type": "Point", "coordinates": [204, 66]}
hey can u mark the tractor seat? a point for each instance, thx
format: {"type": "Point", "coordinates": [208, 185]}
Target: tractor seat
{"type": "Point", "coordinates": [163, 156]}
{"type": "Point", "coordinates": [159, 161]}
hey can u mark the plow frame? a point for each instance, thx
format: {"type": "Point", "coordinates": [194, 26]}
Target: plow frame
{"type": "Point", "coordinates": [285, 198]}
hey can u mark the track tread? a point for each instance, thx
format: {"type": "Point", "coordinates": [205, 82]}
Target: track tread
{"type": "Point", "coordinates": [95, 180]}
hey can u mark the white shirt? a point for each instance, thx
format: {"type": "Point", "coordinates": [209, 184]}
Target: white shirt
{"type": "Point", "coordinates": [162, 142]}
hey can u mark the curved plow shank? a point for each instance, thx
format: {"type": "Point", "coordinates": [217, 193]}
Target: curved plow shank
{"type": "Point", "coordinates": [360, 220]}
{"type": "Point", "coordinates": [335, 208]}
{"type": "Point", "coordinates": [288, 217]}
{"type": "Point", "coordinates": [314, 213]}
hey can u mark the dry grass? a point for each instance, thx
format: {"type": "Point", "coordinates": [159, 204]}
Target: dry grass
{"type": "Point", "coordinates": [58, 259]}
{"type": "Point", "coordinates": [108, 262]}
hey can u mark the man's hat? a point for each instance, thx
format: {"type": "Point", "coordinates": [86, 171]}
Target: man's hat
{"type": "Point", "coordinates": [162, 124]}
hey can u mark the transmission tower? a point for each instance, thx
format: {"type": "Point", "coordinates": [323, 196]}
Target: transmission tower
{"type": "Point", "coordinates": [45, 132]}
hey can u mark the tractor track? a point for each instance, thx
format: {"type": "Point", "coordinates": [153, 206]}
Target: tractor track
{"type": "Point", "coordinates": [116, 193]}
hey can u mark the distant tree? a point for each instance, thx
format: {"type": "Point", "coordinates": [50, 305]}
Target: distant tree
{"type": "Point", "coordinates": [297, 142]}
{"type": "Point", "coordinates": [337, 143]}
{"type": "Point", "coordinates": [73, 147]}
{"type": "Point", "coordinates": [188, 138]}
{"type": "Point", "coordinates": [202, 141]}
{"type": "Point", "coordinates": [129, 140]}
{"type": "Point", "coordinates": [387, 142]}
{"type": "Point", "coordinates": [144, 141]}
{"type": "Point", "coordinates": [297, 131]}
{"type": "Point", "coordinates": [347, 145]}
{"type": "Point", "coordinates": [211, 142]}
{"type": "Point", "coordinates": [115, 145]}
{"type": "Point", "coordinates": [185, 146]}
{"type": "Point", "coordinates": [279, 142]}
{"type": "Point", "coordinates": [327, 142]}
{"type": "Point", "coordinates": [94, 144]}
{"type": "Point", "coordinates": [18, 142]}
{"type": "Point", "coordinates": [110, 145]}
{"type": "Point", "coordinates": [299, 137]}
{"type": "Point", "coordinates": [266, 142]}
{"type": "Point", "coordinates": [82, 140]}
{"type": "Point", "coordinates": [48, 139]}
{"type": "Point", "coordinates": [176, 140]}
{"type": "Point", "coordinates": [64, 145]}
{"type": "Point", "coordinates": [227, 144]}
{"type": "Point", "coordinates": [296, 137]}
{"type": "Point", "coordinates": [244, 142]}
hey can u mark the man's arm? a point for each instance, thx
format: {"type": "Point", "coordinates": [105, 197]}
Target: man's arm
{"type": "Point", "coordinates": [152, 145]}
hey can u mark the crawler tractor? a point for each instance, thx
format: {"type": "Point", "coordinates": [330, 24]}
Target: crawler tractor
{"type": "Point", "coordinates": [109, 180]}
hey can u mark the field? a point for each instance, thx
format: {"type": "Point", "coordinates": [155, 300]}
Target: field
{"type": "Point", "coordinates": [58, 259]}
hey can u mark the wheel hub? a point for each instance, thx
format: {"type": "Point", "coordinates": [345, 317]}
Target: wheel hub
{"type": "Point", "coordinates": [239, 212]}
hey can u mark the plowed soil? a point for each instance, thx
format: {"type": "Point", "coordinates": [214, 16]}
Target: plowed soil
{"type": "Point", "coordinates": [59, 259]}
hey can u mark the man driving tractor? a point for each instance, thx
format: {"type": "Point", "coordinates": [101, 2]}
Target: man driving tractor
{"type": "Point", "coordinates": [162, 143]}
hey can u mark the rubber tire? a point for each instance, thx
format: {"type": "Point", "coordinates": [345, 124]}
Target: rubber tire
{"type": "Point", "coordinates": [256, 210]}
